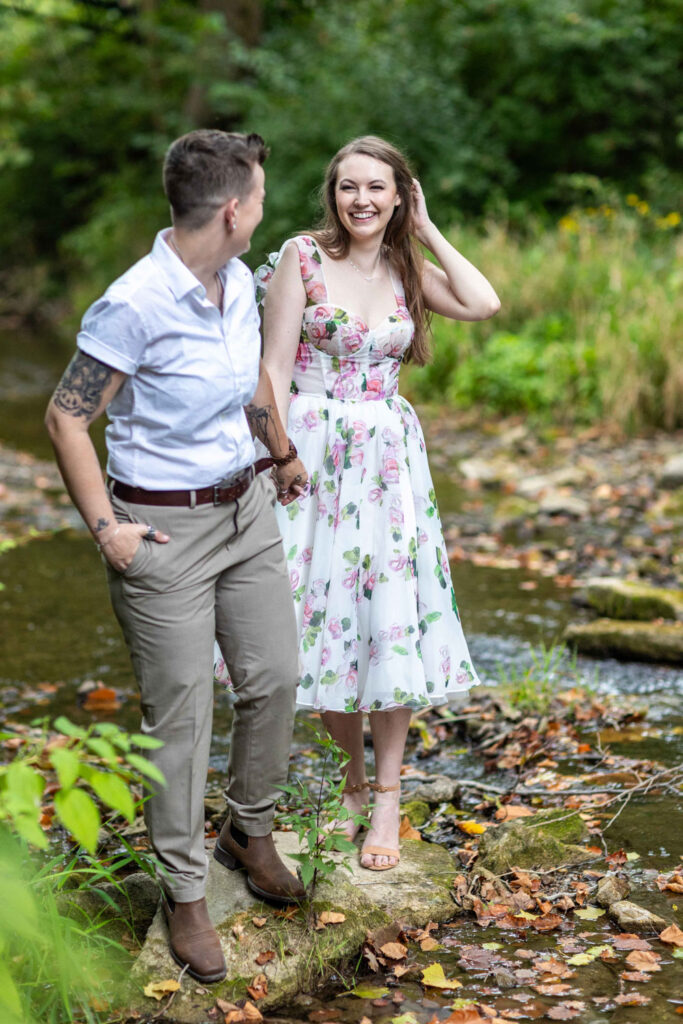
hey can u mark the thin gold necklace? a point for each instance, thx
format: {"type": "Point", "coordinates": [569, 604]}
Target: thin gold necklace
{"type": "Point", "coordinates": [219, 283]}
{"type": "Point", "coordinates": [374, 269]}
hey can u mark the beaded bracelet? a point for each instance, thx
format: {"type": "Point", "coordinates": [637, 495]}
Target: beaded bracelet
{"type": "Point", "coordinates": [289, 457]}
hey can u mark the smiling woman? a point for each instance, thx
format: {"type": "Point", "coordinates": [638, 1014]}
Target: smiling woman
{"type": "Point", "coordinates": [379, 629]}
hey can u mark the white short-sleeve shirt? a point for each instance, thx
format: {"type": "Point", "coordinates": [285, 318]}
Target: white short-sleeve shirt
{"type": "Point", "coordinates": [178, 420]}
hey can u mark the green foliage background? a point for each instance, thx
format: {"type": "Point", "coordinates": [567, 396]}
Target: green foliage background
{"type": "Point", "coordinates": [507, 108]}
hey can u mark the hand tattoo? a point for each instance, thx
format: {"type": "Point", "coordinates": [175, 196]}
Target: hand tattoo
{"type": "Point", "coordinates": [261, 420]}
{"type": "Point", "coordinates": [79, 392]}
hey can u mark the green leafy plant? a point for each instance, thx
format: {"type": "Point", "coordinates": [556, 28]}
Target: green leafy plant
{"type": "Point", "coordinates": [532, 688]}
{"type": "Point", "coordinates": [317, 815]}
{"type": "Point", "coordinates": [101, 758]}
{"type": "Point", "coordinates": [58, 962]}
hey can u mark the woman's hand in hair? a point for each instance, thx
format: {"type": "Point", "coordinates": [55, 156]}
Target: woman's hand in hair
{"type": "Point", "coordinates": [420, 215]}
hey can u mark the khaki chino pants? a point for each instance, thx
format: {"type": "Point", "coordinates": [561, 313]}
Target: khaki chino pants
{"type": "Point", "coordinates": [210, 580]}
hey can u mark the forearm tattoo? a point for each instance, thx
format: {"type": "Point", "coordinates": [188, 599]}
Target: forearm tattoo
{"type": "Point", "coordinates": [100, 525]}
{"type": "Point", "coordinates": [261, 423]}
{"type": "Point", "coordinates": [80, 390]}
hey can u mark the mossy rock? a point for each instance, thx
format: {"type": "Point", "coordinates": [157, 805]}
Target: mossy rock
{"type": "Point", "coordinates": [533, 843]}
{"type": "Point", "coordinates": [415, 892]}
{"type": "Point", "coordinates": [417, 811]}
{"type": "Point", "coordinates": [624, 599]}
{"type": "Point", "coordinates": [631, 641]}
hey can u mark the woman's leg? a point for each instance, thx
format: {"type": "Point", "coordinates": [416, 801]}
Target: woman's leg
{"type": "Point", "coordinates": [389, 734]}
{"type": "Point", "coordinates": [347, 732]}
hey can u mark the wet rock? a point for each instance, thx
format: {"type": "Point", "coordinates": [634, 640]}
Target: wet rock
{"type": "Point", "coordinates": [611, 889]}
{"type": "Point", "coordinates": [545, 841]}
{"type": "Point", "coordinates": [629, 640]}
{"type": "Point", "coordinates": [416, 891]}
{"type": "Point", "coordinates": [630, 915]}
{"type": "Point", "coordinates": [623, 599]}
{"type": "Point", "coordinates": [505, 978]}
{"type": "Point", "coordinates": [672, 474]}
{"type": "Point", "coordinates": [490, 473]}
{"type": "Point", "coordinates": [440, 789]}
{"type": "Point", "coordinates": [560, 503]}
{"type": "Point", "coordinates": [565, 476]}
{"type": "Point", "coordinates": [417, 812]}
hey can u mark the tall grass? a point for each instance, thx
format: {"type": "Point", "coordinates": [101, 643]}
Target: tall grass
{"type": "Point", "coordinates": [591, 326]}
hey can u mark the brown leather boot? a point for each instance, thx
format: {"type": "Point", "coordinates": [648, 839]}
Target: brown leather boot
{"type": "Point", "coordinates": [267, 876]}
{"type": "Point", "coordinates": [193, 940]}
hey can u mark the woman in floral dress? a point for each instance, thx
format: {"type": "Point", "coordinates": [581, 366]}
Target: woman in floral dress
{"type": "Point", "coordinates": [379, 626]}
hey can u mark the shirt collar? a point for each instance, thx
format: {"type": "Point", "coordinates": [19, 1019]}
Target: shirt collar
{"type": "Point", "coordinates": [180, 279]}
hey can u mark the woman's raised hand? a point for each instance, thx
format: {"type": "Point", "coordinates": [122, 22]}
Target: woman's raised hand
{"type": "Point", "coordinates": [420, 214]}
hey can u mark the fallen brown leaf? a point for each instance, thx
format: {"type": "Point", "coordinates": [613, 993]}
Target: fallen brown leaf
{"type": "Point", "coordinates": [406, 830]}
{"type": "Point", "coordinates": [259, 922]}
{"type": "Point", "coordinates": [555, 989]}
{"type": "Point", "coordinates": [627, 940]}
{"type": "Point", "coordinates": [567, 1010]}
{"type": "Point", "coordinates": [632, 999]}
{"type": "Point", "coordinates": [643, 960]}
{"type": "Point", "coordinates": [265, 957]}
{"type": "Point", "coordinates": [394, 950]}
{"type": "Point", "coordinates": [428, 944]}
{"type": "Point", "coordinates": [635, 976]}
{"type": "Point", "coordinates": [511, 811]}
{"type": "Point", "coordinates": [672, 935]}
{"type": "Point", "coordinates": [258, 988]}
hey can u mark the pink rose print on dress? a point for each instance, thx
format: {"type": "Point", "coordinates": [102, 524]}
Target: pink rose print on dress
{"type": "Point", "coordinates": [305, 556]}
{"type": "Point", "coordinates": [349, 580]}
{"type": "Point", "coordinates": [334, 628]}
{"type": "Point", "coordinates": [316, 291]}
{"type": "Point", "coordinates": [353, 341]}
{"type": "Point", "coordinates": [445, 662]}
{"type": "Point", "coordinates": [462, 678]}
{"type": "Point", "coordinates": [311, 419]}
{"type": "Point", "coordinates": [293, 579]}
{"type": "Point", "coordinates": [375, 494]}
{"type": "Point", "coordinates": [304, 356]}
{"type": "Point", "coordinates": [325, 655]}
{"type": "Point", "coordinates": [361, 434]}
{"type": "Point", "coordinates": [396, 517]}
{"type": "Point", "coordinates": [346, 387]}
{"type": "Point", "coordinates": [390, 469]}
{"type": "Point", "coordinates": [398, 563]}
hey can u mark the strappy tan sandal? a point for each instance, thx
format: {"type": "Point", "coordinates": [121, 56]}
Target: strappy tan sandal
{"type": "Point", "coordinates": [381, 851]}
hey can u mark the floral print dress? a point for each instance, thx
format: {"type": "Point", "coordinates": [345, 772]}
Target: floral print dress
{"type": "Point", "coordinates": [377, 616]}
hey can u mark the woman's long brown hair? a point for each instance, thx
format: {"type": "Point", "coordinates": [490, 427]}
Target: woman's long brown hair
{"type": "Point", "coordinates": [399, 245]}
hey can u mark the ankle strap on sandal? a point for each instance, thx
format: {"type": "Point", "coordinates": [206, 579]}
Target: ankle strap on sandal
{"type": "Point", "coordinates": [376, 788]}
{"type": "Point", "coordinates": [357, 788]}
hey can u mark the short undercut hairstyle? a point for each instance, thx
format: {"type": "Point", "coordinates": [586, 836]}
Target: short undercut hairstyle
{"type": "Point", "coordinates": [206, 168]}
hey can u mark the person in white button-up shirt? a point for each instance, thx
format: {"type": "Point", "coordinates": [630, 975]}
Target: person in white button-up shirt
{"type": "Point", "coordinates": [186, 526]}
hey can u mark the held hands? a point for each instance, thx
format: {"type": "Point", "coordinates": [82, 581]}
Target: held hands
{"type": "Point", "coordinates": [291, 481]}
{"type": "Point", "coordinates": [421, 219]}
{"type": "Point", "coordinates": [120, 541]}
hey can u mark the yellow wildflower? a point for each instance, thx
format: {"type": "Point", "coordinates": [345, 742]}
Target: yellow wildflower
{"type": "Point", "coordinates": [569, 224]}
{"type": "Point", "coordinates": [643, 208]}
{"type": "Point", "coordinates": [632, 199]}
{"type": "Point", "coordinates": [673, 219]}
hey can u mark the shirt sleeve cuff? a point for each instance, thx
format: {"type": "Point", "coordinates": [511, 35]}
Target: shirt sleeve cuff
{"type": "Point", "coordinates": [109, 356]}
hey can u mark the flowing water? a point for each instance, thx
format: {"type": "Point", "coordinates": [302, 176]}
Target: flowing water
{"type": "Point", "coordinates": [57, 631]}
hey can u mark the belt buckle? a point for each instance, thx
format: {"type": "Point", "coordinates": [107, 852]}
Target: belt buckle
{"type": "Point", "coordinates": [216, 495]}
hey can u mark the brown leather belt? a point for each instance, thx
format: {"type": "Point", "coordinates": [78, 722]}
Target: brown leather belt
{"type": "Point", "coordinates": [218, 494]}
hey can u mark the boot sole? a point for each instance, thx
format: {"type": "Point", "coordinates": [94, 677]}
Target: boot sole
{"type": "Point", "coordinates": [233, 864]}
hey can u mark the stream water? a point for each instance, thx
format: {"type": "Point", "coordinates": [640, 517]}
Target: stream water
{"type": "Point", "coordinates": [57, 631]}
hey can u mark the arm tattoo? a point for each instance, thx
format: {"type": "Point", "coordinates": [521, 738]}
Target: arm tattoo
{"type": "Point", "coordinates": [260, 418]}
{"type": "Point", "coordinates": [79, 392]}
{"type": "Point", "coordinates": [100, 525]}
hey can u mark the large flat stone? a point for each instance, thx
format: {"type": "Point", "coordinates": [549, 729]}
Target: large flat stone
{"type": "Point", "coordinates": [415, 892]}
{"type": "Point", "coordinates": [624, 599]}
{"type": "Point", "coordinates": [631, 641]}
